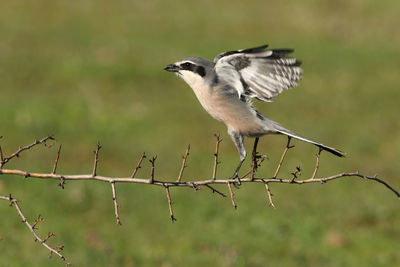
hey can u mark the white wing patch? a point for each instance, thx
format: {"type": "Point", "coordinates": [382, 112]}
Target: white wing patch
{"type": "Point", "coordinates": [258, 73]}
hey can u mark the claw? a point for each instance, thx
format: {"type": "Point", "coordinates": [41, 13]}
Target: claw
{"type": "Point", "coordinates": [237, 182]}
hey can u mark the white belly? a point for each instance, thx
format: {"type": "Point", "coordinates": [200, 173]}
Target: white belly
{"type": "Point", "coordinates": [229, 109]}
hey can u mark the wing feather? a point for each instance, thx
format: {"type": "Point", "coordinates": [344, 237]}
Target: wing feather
{"type": "Point", "coordinates": [263, 73]}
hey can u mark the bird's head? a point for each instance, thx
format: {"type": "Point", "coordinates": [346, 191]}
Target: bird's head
{"type": "Point", "coordinates": [195, 71]}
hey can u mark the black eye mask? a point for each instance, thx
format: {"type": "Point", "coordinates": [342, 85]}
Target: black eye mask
{"type": "Point", "coordinates": [193, 68]}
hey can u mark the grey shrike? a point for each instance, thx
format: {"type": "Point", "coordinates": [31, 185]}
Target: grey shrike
{"type": "Point", "coordinates": [226, 87]}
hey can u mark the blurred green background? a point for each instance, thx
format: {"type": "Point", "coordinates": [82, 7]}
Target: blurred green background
{"type": "Point", "coordinates": [93, 70]}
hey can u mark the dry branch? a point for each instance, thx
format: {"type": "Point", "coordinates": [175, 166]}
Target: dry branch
{"type": "Point", "coordinates": [116, 206]}
{"type": "Point", "coordinates": [316, 163]}
{"type": "Point", "coordinates": [138, 165]}
{"type": "Point", "coordinates": [4, 160]}
{"type": "Point", "coordinates": [216, 162]}
{"type": "Point", "coordinates": [56, 160]}
{"type": "Point", "coordinates": [271, 203]}
{"type": "Point", "coordinates": [171, 214]}
{"type": "Point", "coordinates": [152, 161]}
{"type": "Point", "coordinates": [96, 159]}
{"type": "Point", "coordinates": [33, 227]}
{"type": "Point", "coordinates": [288, 146]}
{"type": "Point", "coordinates": [196, 185]}
{"type": "Point", "coordinates": [232, 196]}
{"type": "Point", "coordinates": [184, 158]}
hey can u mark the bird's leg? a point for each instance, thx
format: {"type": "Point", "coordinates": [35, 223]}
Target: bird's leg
{"type": "Point", "coordinates": [236, 173]}
{"type": "Point", "coordinates": [254, 155]}
{"type": "Point", "coordinates": [237, 138]}
{"type": "Point", "coordinates": [254, 158]}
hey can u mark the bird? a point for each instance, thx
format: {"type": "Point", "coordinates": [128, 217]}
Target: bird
{"type": "Point", "coordinates": [226, 87]}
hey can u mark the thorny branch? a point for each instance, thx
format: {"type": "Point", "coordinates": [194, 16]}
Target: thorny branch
{"type": "Point", "coordinates": [184, 158]}
{"type": "Point", "coordinates": [32, 227]}
{"type": "Point", "coordinates": [288, 146]}
{"type": "Point", "coordinates": [116, 206]}
{"type": "Point", "coordinates": [96, 159]}
{"type": "Point", "coordinates": [216, 162]}
{"type": "Point", "coordinates": [196, 185]}
{"type": "Point", "coordinates": [56, 161]}
{"type": "Point", "coordinates": [138, 165]}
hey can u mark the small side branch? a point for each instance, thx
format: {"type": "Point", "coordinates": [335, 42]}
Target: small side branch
{"type": "Point", "coordinates": [56, 160]}
{"type": "Point", "coordinates": [171, 213]}
{"type": "Point", "coordinates": [288, 146]}
{"type": "Point", "coordinates": [4, 160]}
{"type": "Point", "coordinates": [215, 190]}
{"type": "Point", "coordinates": [260, 160]}
{"type": "Point", "coordinates": [96, 159]}
{"type": "Point", "coordinates": [153, 166]}
{"type": "Point", "coordinates": [138, 165]}
{"type": "Point", "coordinates": [219, 140]}
{"type": "Point", "coordinates": [183, 163]}
{"type": "Point", "coordinates": [316, 163]}
{"type": "Point", "coordinates": [271, 203]}
{"type": "Point", "coordinates": [114, 194]}
{"type": "Point", "coordinates": [32, 227]}
{"type": "Point", "coordinates": [232, 196]}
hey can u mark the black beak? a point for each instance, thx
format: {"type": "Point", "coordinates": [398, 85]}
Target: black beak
{"type": "Point", "coordinates": [172, 68]}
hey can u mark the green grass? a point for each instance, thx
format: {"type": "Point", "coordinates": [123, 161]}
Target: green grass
{"type": "Point", "coordinates": [93, 70]}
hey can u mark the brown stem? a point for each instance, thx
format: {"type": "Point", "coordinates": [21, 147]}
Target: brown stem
{"type": "Point", "coordinates": [114, 195]}
{"type": "Point", "coordinates": [56, 160]}
{"type": "Point", "coordinates": [96, 159]}
{"type": "Point", "coordinates": [271, 203]}
{"type": "Point", "coordinates": [138, 165]}
{"type": "Point", "coordinates": [152, 161]}
{"type": "Point", "coordinates": [219, 140]}
{"type": "Point", "coordinates": [171, 214]}
{"type": "Point", "coordinates": [316, 163]}
{"type": "Point", "coordinates": [232, 196]}
{"type": "Point", "coordinates": [183, 163]}
{"type": "Point", "coordinates": [288, 146]}
{"type": "Point", "coordinates": [14, 202]}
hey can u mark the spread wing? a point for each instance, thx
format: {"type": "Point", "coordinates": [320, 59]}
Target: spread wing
{"type": "Point", "coordinates": [258, 72]}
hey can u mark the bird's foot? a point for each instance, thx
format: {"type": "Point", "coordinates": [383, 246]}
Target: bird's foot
{"type": "Point", "coordinates": [257, 159]}
{"type": "Point", "coordinates": [237, 183]}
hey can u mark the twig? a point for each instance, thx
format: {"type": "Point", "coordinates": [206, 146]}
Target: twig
{"type": "Point", "coordinates": [21, 149]}
{"type": "Point", "coordinates": [14, 202]}
{"type": "Point", "coordinates": [38, 220]}
{"type": "Point", "coordinates": [232, 196]}
{"type": "Point", "coordinates": [62, 182]}
{"type": "Point", "coordinates": [183, 163]}
{"type": "Point", "coordinates": [219, 140]}
{"type": "Point", "coordinates": [56, 161]}
{"type": "Point", "coordinates": [196, 183]}
{"type": "Point", "coordinates": [171, 214]}
{"type": "Point", "coordinates": [296, 173]}
{"type": "Point", "coordinates": [271, 203]}
{"type": "Point", "coordinates": [138, 165]}
{"type": "Point", "coordinates": [114, 195]}
{"type": "Point", "coordinates": [215, 190]}
{"type": "Point", "coordinates": [288, 146]}
{"type": "Point", "coordinates": [259, 162]}
{"type": "Point", "coordinates": [152, 161]}
{"type": "Point", "coordinates": [209, 183]}
{"type": "Point", "coordinates": [96, 159]}
{"type": "Point", "coordinates": [316, 163]}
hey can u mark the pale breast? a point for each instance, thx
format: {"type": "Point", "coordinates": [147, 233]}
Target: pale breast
{"type": "Point", "coordinates": [229, 109]}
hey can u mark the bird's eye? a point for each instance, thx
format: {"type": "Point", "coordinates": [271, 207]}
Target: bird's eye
{"type": "Point", "coordinates": [186, 65]}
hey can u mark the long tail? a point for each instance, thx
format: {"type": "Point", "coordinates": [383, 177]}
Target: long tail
{"type": "Point", "coordinates": [324, 147]}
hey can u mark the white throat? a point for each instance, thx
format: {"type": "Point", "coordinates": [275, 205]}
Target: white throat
{"type": "Point", "coordinates": [192, 79]}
